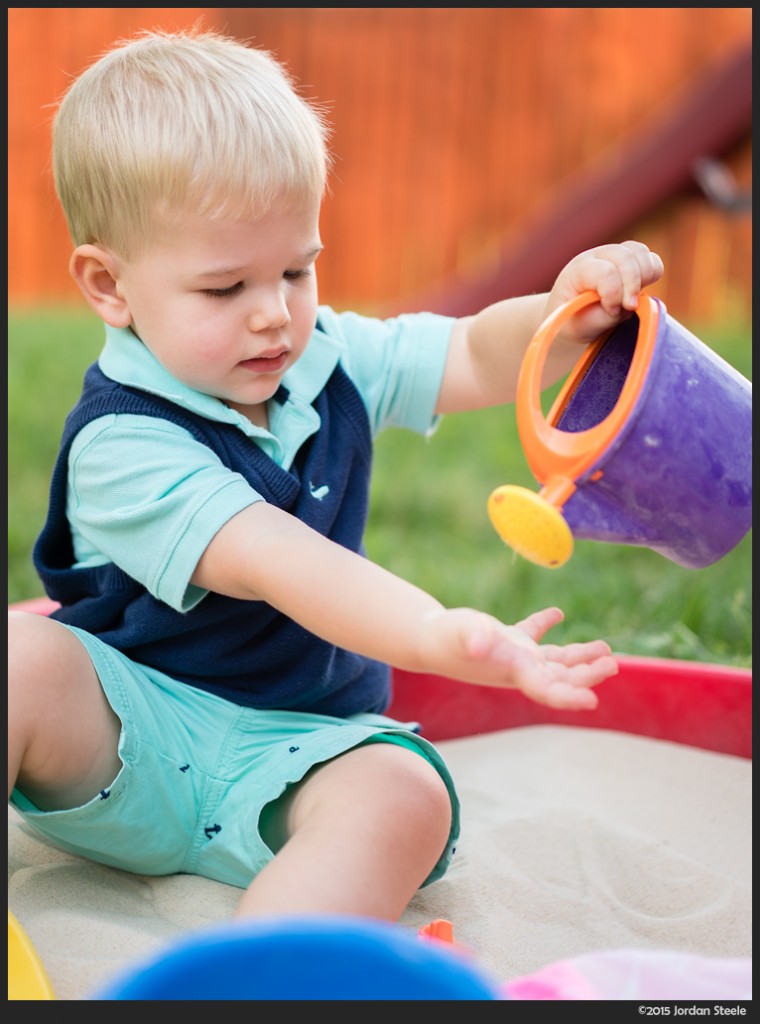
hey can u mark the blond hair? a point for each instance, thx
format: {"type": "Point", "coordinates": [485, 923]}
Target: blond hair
{"type": "Point", "coordinates": [182, 121]}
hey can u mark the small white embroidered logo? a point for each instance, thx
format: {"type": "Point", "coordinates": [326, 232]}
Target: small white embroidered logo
{"type": "Point", "coordinates": [318, 492]}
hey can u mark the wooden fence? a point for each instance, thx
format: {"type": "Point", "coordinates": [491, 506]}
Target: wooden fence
{"type": "Point", "coordinates": [452, 128]}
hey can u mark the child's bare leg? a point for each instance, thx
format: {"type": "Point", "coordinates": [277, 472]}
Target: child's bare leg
{"type": "Point", "coordinates": [62, 734]}
{"type": "Point", "coordinates": [365, 830]}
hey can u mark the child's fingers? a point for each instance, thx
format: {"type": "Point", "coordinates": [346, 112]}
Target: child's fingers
{"type": "Point", "coordinates": [650, 263]}
{"type": "Point", "coordinates": [562, 697]}
{"type": "Point", "coordinates": [617, 276]}
{"type": "Point", "coordinates": [576, 653]}
{"type": "Point", "coordinates": [617, 273]}
{"type": "Point", "coordinates": [540, 622]}
{"type": "Point", "coordinates": [638, 268]}
{"type": "Point", "coordinates": [565, 688]}
{"type": "Point", "coordinates": [559, 693]}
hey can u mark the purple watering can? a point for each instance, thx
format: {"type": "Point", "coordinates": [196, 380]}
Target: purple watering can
{"type": "Point", "coordinates": [648, 443]}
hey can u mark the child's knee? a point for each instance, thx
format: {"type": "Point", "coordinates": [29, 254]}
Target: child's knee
{"type": "Point", "coordinates": [26, 644]}
{"type": "Point", "coordinates": [381, 781]}
{"type": "Point", "coordinates": [415, 789]}
{"type": "Point", "coordinates": [37, 648]}
{"type": "Point", "coordinates": [47, 665]}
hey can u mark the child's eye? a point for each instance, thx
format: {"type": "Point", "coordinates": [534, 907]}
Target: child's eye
{"type": "Point", "coordinates": [296, 275]}
{"type": "Point", "coordinates": [223, 293]}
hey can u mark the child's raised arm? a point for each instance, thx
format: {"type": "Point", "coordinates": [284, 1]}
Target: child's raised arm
{"type": "Point", "coordinates": [266, 554]}
{"type": "Point", "coordinates": [487, 349]}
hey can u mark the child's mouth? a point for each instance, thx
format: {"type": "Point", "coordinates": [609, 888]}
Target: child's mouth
{"type": "Point", "coordinates": [266, 364]}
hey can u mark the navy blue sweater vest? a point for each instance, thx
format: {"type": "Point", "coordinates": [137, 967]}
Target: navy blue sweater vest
{"type": "Point", "coordinates": [245, 651]}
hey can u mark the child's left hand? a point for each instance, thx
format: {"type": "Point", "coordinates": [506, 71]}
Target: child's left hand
{"type": "Point", "coordinates": [617, 272]}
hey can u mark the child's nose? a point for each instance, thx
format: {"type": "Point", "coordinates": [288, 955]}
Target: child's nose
{"type": "Point", "coordinates": [269, 312]}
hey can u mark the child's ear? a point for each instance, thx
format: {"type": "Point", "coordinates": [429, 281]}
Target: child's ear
{"type": "Point", "coordinates": [96, 272]}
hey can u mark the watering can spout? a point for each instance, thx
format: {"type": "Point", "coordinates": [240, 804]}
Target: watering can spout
{"type": "Point", "coordinates": [532, 523]}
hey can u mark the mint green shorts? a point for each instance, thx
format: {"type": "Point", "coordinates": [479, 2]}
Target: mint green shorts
{"type": "Point", "coordinates": [197, 772]}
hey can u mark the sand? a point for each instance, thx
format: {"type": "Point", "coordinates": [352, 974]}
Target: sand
{"type": "Point", "coordinates": [574, 841]}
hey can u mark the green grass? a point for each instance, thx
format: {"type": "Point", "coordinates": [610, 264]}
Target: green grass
{"type": "Point", "coordinates": [48, 351]}
{"type": "Point", "coordinates": [428, 520]}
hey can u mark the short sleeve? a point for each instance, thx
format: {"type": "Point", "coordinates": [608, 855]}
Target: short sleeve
{"type": "Point", "coordinates": [147, 496]}
{"type": "Point", "coordinates": [397, 364]}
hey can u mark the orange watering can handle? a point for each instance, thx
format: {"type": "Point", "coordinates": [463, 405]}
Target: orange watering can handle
{"type": "Point", "coordinates": [558, 457]}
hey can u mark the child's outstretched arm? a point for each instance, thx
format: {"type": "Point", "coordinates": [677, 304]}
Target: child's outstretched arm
{"type": "Point", "coordinates": [266, 554]}
{"type": "Point", "coordinates": [486, 350]}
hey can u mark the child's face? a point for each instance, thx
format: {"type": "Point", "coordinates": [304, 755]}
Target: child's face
{"type": "Point", "coordinates": [227, 306]}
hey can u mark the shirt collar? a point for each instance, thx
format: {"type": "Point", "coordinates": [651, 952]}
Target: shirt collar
{"type": "Point", "coordinates": [128, 361]}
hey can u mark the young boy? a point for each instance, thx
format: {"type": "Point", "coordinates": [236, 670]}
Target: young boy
{"type": "Point", "coordinates": [209, 698]}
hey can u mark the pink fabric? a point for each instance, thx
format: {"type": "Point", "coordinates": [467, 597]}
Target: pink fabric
{"type": "Point", "coordinates": [637, 974]}
{"type": "Point", "coordinates": [560, 980]}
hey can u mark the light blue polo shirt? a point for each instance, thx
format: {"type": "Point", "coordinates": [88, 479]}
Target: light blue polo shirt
{"type": "Point", "coordinates": [145, 494]}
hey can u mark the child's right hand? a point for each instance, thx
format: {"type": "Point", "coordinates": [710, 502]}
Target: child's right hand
{"type": "Point", "coordinates": [475, 647]}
